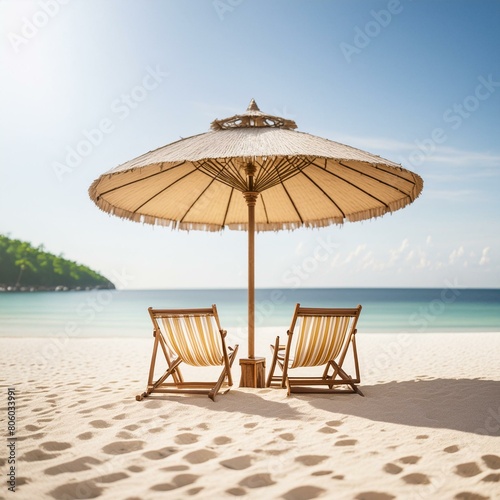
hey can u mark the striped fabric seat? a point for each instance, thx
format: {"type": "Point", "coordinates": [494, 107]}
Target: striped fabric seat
{"type": "Point", "coordinates": [323, 338]}
{"type": "Point", "coordinates": [320, 339]}
{"type": "Point", "coordinates": [193, 337]}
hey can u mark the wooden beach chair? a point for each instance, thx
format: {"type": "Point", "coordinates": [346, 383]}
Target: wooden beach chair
{"type": "Point", "coordinates": [323, 339]}
{"type": "Point", "coordinates": [194, 337]}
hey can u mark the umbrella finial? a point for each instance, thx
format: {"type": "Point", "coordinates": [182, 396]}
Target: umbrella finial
{"type": "Point", "coordinates": [253, 106]}
{"type": "Point", "coordinates": [253, 117]}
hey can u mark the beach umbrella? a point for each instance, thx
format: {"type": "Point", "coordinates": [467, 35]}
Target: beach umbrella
{"type": "Point", "coordinates": [254, 172]}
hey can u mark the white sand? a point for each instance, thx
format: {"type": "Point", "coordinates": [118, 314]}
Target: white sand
{"type": "Point", "coordinates": [428, 426]}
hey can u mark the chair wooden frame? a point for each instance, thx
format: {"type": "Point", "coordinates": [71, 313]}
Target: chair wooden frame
{"type": "Point", "coordinates": [282, 355]}
{"type": "Point", "coordinates": [174, 356]}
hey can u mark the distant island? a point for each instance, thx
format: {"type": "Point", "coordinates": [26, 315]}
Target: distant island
{"type": "Point", "coordinates": [26, 268]}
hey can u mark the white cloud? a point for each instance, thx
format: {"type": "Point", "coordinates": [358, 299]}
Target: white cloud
{"type": "Point", "coordinates": [455, 255]}
{"type": "Point", "coordinates": [355, 253]}
{"type": "Point", "coordinates": [484, 257]}
{"type": "Point", "coordinates": [396, 253]}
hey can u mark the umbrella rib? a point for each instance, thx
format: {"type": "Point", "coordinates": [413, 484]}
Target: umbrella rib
{"type": "Point", "coordinates": [379, 180]}
{"type": "Point", "coordinates": [291, 200]}
{"type": "Point", "coordinates": [163, 190]}
{"type": "Point", "coordinates": [352, 184]}
{"type": "Point", "coordinates": [264, 176]}
{"type": "Point", "coordinates": [181, 220]}
{"type": "Point", "coordinates": [325, 193]}
{"type": "Point", "coordinates": [264, 206]}
{"type": "Point", "coordinates": [227, 207]}
{"type": "Point", "coordinates": [141, 179]}
{"type": "Point", "coordinates": [219, 171]}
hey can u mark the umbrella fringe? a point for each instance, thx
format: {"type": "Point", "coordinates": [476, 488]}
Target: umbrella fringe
{"type": "Point", "coordinates": [290, 226]}
{"type": "Point", "coordinates": [263, 227]}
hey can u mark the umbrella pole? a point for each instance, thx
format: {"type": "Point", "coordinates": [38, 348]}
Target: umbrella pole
{"type": "Point", "coordinates": [253, 370]}
{"type": "Point", "coordinates": [251, 278]}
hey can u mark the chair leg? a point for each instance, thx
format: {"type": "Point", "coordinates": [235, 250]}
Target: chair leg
{"type": "Point", "coordinates": [213, 392]}
{"type": "Point", "coordinates": [274, 349]}
{"type": "Point", "coordinates": [339, 372]}
{"type": "Point", "coordinates": [171, 370]}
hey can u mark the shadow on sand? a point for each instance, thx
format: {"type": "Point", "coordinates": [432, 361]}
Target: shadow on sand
{"type": "Point", "coordinates": [250, 403]}
{"type": "Point", "coordinates": [468, 405]}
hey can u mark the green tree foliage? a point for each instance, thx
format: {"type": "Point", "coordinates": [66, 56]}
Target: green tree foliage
{"type": "Point", "coordinates": [22, 265]}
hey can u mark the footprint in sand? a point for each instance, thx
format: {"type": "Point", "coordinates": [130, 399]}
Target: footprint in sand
{"type": "Point", "coordinates": [491, 478]}
{"type": "Point", "coordinates": [416, 478]}
{"type": "Point", "coordinates": [238, 463]}
{"type": "Point", "coordinates": [135, 468]}
{"type": "Point", "coordinates": [37, 455]}
{"type": "Point", "coordinates": [125, 435]}
{"type": "Point", "coordinates": [287, 436]}
{"type": "Point", "coordinates": [257, 481]}
{"type": "Point", "coordinates": [451, 449]}
{"type": "Point", "coordinates": [199, 456]}
{"type": "Point", "coordinates": [155, 430]}
{"type": "Point", "coordinates": [251, 425]}
{"type": "Point", "coordinates": [78, 465]}
{"type": "Point", "coordinates": [86, 412]}
{"type": "Point", "coordinates": [422, 436]}
{"type": "Point", "coordinates": [122, 447]}
{"type": "Point", "coordinates": [111, 478]}
{"type": "Point", "coordinates": [121, 416]}
{"type": "Point", "coordinates": [373, 495]}
{"type": "Point", "coordinates": [469, 469]}
{"type": "Point", "coordinates": [392, 468]}
{"type": "Point", "coordinates": [55, 446]}
{"type": "Point", "coordinates": [39, 435]}
{"type": "Point", "coordinates": [310, 460]}
{"type": "Point", "coordinates": [99, 424]}
{"type": "Point", "coordinates": [321, 473]}
{"type": "Point", "coordinates": [411, 459]}
{"type": "Point", "coordinates": [303, 493]}
{"type": "Point", "coordinates": [467, 495]}
{"type": "Point", "coordinates": [203, 427]}
{"type": "Point", "coordinates": [334, 423]}
{"type": "Point", "coordinates": [161, 453]}
{"type": "Point", "coordinates": [194, 491]}
{"type": "Point", "coordinates": [237, 492]}
{"type": "Point", "coordinates": [33, 428]}
{"type": "Point", "coordinates": [83, 489]}
{"type": "Point", "coordinates": [327, 430]}
{"type": "Point", "coordinates": [346, 442]}
{"type": "Point", "coordinates": [187, 438]}
{"type": "Point", "coordinates": [175, 468]}
{"type": "Point", "coordinates": [491, 461]}
{"type": "Point", "coordinates": [177, 482]}
{"type": "Point", "coordinates": [222, 440]}
{"type": "Point", "coordinates": [85, 436]}
{"type": "Point", "coordinates": [131, 427]}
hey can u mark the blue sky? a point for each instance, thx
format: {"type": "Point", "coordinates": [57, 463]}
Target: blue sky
{"type": "Point", "coordinates": [417, 82]}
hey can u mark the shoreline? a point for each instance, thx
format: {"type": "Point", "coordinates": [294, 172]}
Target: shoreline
{"type": "Point", "coordinates": [428, 426]}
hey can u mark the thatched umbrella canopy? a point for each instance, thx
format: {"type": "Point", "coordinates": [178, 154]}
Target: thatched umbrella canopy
{"type": "Point", "coordinates": [254, 172]}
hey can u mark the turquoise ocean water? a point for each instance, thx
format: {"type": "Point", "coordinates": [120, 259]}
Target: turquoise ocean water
{"type": "Point", "coordinates": [123, 313]}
